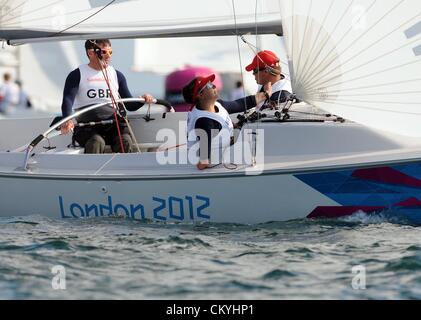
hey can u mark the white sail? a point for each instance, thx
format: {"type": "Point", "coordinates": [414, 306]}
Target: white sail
{"type": "Point", "coordinates": [358, 59]}
{"type": "Point", "coordinates": [43, 20]}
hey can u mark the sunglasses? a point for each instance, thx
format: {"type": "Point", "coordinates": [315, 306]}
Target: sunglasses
{"type": "Point", "coordinates": [109, 51]}
{"type": "Point", "coordinates": [256, 71]}
{"type": "Point", "coordinates": [209, 85]}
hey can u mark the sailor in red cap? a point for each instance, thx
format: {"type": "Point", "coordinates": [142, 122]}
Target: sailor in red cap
{"type": "Point", "coordinates": [209, 125]}
{"type": "Point", "coordinates": [267, 69]}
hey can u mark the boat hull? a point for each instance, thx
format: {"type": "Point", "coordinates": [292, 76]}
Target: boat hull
{"type": "Point", "coordinates": [223, 199]}
{"type": "Point", "coordinates": [228, 198]}
{"type": "Point", "coordinates": [306, 173]}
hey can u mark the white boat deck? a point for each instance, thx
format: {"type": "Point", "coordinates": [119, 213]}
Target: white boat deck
{"type": "Point", "coordinates": [288, 147]}
{"type": "Point", "coordinates": [145, 165]}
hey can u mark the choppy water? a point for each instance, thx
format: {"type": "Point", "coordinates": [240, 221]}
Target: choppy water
{"type": "Point", "coordinates": [119, 259]}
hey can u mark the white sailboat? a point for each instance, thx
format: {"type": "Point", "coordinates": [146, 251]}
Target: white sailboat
{"type": "Point", "coordinates": [357, 60]}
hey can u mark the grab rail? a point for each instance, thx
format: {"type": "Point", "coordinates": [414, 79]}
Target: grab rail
{"type": "Point", "coordinates": [44, 135]}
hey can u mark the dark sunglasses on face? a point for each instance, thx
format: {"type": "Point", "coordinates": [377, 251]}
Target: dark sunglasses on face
{"type": "Point", "coordinates": [209, 85]}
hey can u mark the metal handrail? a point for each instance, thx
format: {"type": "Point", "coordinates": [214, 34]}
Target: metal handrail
{"type": "Point", "coordinates": [44, 135]}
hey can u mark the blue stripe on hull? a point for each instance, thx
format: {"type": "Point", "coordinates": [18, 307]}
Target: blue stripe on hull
{"type": "Point", "coordinates": [398, 189]}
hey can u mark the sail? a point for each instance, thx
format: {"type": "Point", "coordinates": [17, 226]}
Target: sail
{"type": "Point", "coordinates": [358, 59]}
{"type": "Point", "coordinates": [24, 21]}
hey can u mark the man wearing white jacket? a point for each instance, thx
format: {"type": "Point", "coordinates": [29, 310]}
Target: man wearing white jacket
{"type": "Point", "coordinates": [209, 123]}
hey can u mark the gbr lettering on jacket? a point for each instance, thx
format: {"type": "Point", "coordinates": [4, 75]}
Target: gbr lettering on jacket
{"type": "Point", "coordinates": [98, 93]}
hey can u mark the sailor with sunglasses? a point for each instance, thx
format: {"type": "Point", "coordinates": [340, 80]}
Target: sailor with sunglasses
{"type": "Point", "coordinates": [266, 69]}
{"type": "Point", "coordinates": [209, 125]}
{"type": "Point", "coordinates": [90, 84]}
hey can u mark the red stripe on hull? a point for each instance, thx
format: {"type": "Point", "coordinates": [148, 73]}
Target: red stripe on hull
{"type": "Point", "coordinates": [337, 212]}
{"type": "Point", "coordinates": [387, 175]}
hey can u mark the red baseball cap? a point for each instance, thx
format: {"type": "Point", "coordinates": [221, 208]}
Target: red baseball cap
{"type": "Point", "coordinates": [263, 59]}
{"type": "Point", "coordinates": [191, 91]}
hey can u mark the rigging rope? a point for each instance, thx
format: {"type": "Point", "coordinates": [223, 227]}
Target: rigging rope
{"type": "Point", "coordinates": [83, 20]}
{"type": "Point", "coordinates": [239, 53]}
{"type": "Point", "coordinates": [254, 134]}
{"type": "Point", "coordinates": [241, 67]}
{"type": "Point", "coordinates": [129, 127]}
{"type": "Point", "coordinates": [115, 105]}
{"type": "Point", "coordinates": [255, 50]}
{"type": "Point", "coordinates": [113, 102]}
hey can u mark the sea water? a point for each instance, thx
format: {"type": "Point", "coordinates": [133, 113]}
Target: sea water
{"type": "Point", "coordinates": [360, 257]}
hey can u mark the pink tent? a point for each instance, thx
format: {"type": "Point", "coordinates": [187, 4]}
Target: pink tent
{"type": "Point", "coordinates": [176, 80]}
